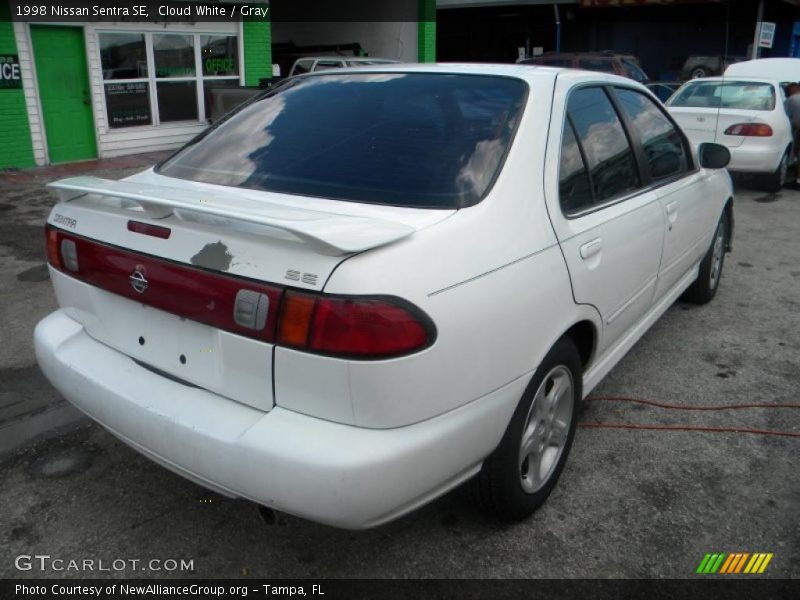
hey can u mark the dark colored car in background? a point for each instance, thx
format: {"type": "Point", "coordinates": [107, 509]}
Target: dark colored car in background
{"type": "Point", "coordinates": [707, 66]}
{"type": "Point", "coordinates": [625, 65]}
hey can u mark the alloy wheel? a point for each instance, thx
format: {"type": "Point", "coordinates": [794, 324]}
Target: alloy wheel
{"type": "Point", "coordinates": [716, 256]}
{"type": "Point", "coordinates": [546, 430]}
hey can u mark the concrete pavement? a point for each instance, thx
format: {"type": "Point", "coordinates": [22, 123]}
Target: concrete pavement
{"type": "Point", "coordinates": [629, 504]}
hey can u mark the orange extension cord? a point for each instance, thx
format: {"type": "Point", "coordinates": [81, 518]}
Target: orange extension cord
{"type": "Point", "coordinates": [655, 427]}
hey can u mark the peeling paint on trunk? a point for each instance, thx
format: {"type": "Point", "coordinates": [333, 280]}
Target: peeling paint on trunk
{"type": "Point", "coordinates": [213, 256]}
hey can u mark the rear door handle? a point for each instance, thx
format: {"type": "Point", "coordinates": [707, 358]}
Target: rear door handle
{"type": "Point", "coordinates": [589, 249]}
{"type": "Point", "coordinates": [672, 213]}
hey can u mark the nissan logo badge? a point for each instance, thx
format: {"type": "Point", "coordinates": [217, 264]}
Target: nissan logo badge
{"type": "Point", "coordinates": [138, 281]}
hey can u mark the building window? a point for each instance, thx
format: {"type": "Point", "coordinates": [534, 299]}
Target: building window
{"type": "Point", "coordinates": [219, 55]}
{"type": "Point", "coordinates": [158, 78]}
{"type": "Point", "coordinates": [123, 58]}
{"type": "Point", "coordinates": [176, 77]}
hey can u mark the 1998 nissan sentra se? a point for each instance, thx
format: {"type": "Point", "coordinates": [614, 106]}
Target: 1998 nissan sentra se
{"type": "Point", "coordinates": [370, 286]}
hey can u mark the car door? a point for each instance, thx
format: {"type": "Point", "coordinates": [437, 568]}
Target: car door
{"type": "Point", "coordinates": [683, 190]}
{"type": "Point", "coordinates": [609, 226]}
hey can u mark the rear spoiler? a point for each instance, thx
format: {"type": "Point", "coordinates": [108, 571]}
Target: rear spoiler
{"type": "Point", "coordinates": [329, 233]}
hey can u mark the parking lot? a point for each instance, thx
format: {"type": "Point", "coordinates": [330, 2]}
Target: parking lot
{"type": "Point", "coordinates": [630, 503]}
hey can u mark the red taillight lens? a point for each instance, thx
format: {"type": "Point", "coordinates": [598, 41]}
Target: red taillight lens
{"type": "Point", "coordinates": [358, 327]}
{"type": "Point", "coordinates": [353, 327]}
{"type": "Point", "coordinates": [750, 130]}
{"type": "Point", "coordinates": [365, 327]}
{"type": "Point", "coordinates": [196, 294]}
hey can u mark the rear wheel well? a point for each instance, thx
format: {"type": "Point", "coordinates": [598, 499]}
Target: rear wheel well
{"type": "Point", "coordinates": [584, 337]}
{"type": "Point", "coordinates": [729, 209]}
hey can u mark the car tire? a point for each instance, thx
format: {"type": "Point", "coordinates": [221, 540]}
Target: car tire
{"type": "Point", "coordinates": [773, 182]}
{"type": "Point", "coordinates": [513, 482]}
{"type": "Point", "coordinates": [699, 72]}
{"type": "Point", "coordinates": [705, 286]}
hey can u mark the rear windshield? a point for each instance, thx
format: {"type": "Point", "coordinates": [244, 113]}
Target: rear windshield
{"type": "Point", "coordinates": [745, 95]}
{"type": "Point", "coordinates": [404, 139]}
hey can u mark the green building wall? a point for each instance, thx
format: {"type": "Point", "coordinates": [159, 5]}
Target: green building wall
{"type": "Point", "coordinates": [16, 149]}
{"type": "Point", "coordinates": [426, 37]}
{"type": "Point", "coordinates": [257, 49]}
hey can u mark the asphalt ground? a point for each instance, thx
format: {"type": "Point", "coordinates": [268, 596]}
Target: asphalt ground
{"type": "Point", "coordinates": [630, 503]}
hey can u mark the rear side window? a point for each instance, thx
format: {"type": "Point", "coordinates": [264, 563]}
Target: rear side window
{"type": "Point", "coordinates": [405, 139]}
{"type": "Point", "coordinates": [302, 66]}
{"type": "Point", "coordinates": [663, 145]}
{"type": "Point", "coordinates": [574, 187]}
{"type": "Point", "coordinates": [605, 147]}
{"type": "Point", "coordinates": [742, 95]}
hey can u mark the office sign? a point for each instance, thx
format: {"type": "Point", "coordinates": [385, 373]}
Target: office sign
{"type": "Point", "coordinates": [10, 74]}
{"type": "Point", "coordinates": [767, 35]}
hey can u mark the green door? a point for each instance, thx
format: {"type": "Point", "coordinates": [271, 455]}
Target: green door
{"type": "Point", "coordinates": [64, 92]}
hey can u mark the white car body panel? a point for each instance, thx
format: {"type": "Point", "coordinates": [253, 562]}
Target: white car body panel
{"type": "Point", "coordinates": [749, 154]}
{"type": "Point", "coordinates": [355, 443]}
{"type": "Point", "coordinates": [230, 365]}
{"type": "Point", "coordinates": [782, 70]}
{"type": "Point", "coordinates": [345, 476]}
{"type": "Point", "coordinates": [690, 219]}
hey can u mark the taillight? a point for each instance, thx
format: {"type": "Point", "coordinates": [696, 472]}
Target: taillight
{"type": "Point", "coordinates": [52, 247]}
{"type": "Point", "coordinates": [294, 324]}
{"type": "Point", "coordinates": [62, 253]}
{"type": "Point", "coordinates": [242, 306]}
{"type": "Point", "coordinates": [359, 327]}
{"type": "Point", "coordinates": [750, 130]}
{"type": "Point", "coordinates": [353, 326]}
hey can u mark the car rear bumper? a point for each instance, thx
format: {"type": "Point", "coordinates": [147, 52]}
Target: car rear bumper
{"type": "Point", "coordinates": [337, 474]}
{"type": "Point", "coordinates": [754, 159]}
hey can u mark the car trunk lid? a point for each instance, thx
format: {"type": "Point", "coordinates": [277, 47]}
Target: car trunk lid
{"type": "Point", "coordinates": [194, 249]}
{"type": "Point", "coordinates": [709, 124]}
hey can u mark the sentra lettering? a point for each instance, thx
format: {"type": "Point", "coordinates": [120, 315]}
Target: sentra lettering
{"type": "Point", "coordinates": [65, 221]}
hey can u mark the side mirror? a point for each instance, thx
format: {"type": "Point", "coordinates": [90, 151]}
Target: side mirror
{"type": "Point", "coordinates": [713, 156]}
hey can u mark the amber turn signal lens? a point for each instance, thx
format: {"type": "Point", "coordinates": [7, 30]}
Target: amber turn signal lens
{"type": "Point", "coordinates": [52, 247]}
{"type": "Point", "coordinates": [295, 320]}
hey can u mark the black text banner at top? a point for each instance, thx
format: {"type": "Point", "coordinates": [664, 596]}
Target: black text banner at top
{"type": "Point", "coordinates": [185, 11]}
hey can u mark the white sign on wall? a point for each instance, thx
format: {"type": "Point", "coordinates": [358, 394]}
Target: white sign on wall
{"type": "Point", "coordinates": [766, 35]}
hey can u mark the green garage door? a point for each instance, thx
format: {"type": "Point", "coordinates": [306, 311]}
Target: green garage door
{"type": "Point", "coordinates": [64, 91]}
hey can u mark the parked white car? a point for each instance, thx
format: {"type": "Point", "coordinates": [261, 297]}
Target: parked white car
{"type": "Point", "coordinates": [312, 64]}
{"type": "Point", "coordinates": [371, 286]}
{"type": "Point", "coordinates": [782, 70]}
{"type": "Point", "coordinates": [746, 114]}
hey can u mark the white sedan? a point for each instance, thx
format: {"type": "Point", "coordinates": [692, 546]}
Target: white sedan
{"type": "Point", "coordinates": [746, 114]}
{"type": "Point", "coordinates": [370, 286]}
